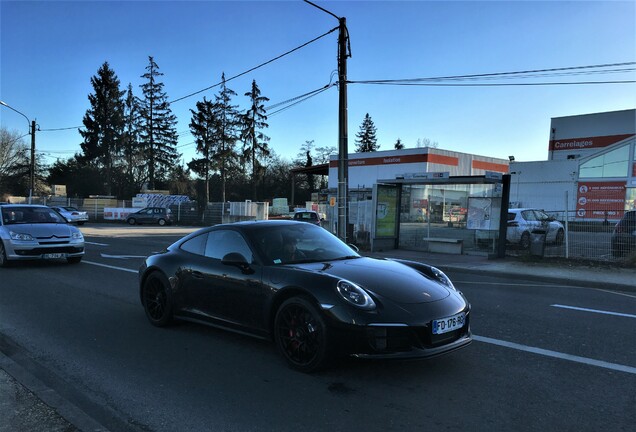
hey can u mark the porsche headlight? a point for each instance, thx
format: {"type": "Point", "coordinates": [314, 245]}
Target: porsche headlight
{"type": "Point", "coordinates": [441, 276]}
{"type": "Point", "coordinates": [20, 236]}
{"type": "Point", "coordinates": [355, 295]}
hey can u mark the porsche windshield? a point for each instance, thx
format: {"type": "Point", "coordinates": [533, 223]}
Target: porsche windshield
{"type": "Point", "coordinates": [300, 243]}
{"type": "Point", "coordinates": [30, 215]}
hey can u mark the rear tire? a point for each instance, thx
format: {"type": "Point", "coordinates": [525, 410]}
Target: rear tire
{"type": "Point", "coordinates": [524, 242]}
{"type": "Point", "coordinates": [161, 222]}
{"type": "Point", "coordinates": [157, 299]}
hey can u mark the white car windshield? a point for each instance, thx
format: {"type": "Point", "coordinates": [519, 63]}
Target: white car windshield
{"type": "Point", "coordinates": [30, 215]}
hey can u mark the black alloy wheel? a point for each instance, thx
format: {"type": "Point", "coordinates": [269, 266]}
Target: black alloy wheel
{"type": "Point", "coordinates": [301, 335]}
{"type": "Point", "coordinates": [157, 300]}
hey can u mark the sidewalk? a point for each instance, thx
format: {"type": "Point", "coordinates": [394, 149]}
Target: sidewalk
{"type": "Point", "coordinates": [22, 398]}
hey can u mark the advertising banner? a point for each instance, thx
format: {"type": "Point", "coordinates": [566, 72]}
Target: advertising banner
{"type": "Point", "coordinates": [386, 211]}
{"type": "Point", "coordinates": [600, 200]}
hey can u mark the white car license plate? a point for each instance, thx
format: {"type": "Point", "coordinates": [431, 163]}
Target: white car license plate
{"type": "Point", "coordinates": [54, 255]}
{"type": "Point", "coordinates": [448, 324]}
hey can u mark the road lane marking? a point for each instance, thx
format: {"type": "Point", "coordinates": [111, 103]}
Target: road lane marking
{"type": "Point", "coordinates": [96, 244]}
{"type": "Point", "coordinates": [594, 311]}
{"type": "Point", "coordinates": [558, 355]}
{"type": "Point", "coordinates": [110, 267]}
{"type": "Point", "coordinates": [121, 256]}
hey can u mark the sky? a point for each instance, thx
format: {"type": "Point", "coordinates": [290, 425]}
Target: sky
{"type": "Point", "coordinates": [50, 50]}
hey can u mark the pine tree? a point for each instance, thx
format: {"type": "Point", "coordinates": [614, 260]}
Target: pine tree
{"type": "Point", "coordinates": [158, 126]}
{"type": "Point", "coordinates": [255, 148]}
{"type": "Point", "coordinates": [204, 125]}
{"type": "Point", "coordinates": [366, 140]}
{"type": "Point", "coordinates": [399, 145]}
{"type": "Point", "coordinates": [227, 133]}
{"type": "Point", "coordinates": [104, 124]}
{"type": "Point", "coordinates": [132, 151]}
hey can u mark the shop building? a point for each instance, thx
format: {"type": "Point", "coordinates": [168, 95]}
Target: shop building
{"type": "Point", "coordinates": [590, 173]}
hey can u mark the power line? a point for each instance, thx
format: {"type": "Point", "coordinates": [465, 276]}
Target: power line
{"type": "Point", "coordinates": [507, 75]}
{"type": "Point", "coordinates": [257, 67]}
{"type": "Point", "coordinates": [492, 84]}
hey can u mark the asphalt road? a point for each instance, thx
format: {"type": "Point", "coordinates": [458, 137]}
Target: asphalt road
{"type": "Point", "coordinates": [545, 357]}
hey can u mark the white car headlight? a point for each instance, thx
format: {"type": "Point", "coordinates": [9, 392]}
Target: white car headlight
{"type": "Point", "coordinates": [77, 235]}
{"type": "Point", "coordinates": [441, 276]}
{"type": "Point", "coordinates": [20, 236]}
{"type": "Point", "coordinates": [355, 295]}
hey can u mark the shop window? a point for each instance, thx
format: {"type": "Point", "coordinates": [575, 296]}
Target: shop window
{"type": "Point", "coordinates": [609, 165]}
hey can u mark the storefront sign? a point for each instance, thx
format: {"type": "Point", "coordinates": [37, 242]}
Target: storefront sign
{"type": "Point", "coordinates": [600, 200]}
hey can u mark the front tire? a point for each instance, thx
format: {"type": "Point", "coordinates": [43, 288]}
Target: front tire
{"type": "Point", "coordinates": [301, 335]}
{"type": "Point", "coordinates": [4, 262]}
{"type": "Point", "coordinates": [560, 236]}
{"type": "Point", "coordinates": [157, 299]}
{"type": "Point", "coordinates": [132, 221]}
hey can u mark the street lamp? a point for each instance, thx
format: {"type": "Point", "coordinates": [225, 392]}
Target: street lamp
{"type": "Point", "coordinates": [31, 124]}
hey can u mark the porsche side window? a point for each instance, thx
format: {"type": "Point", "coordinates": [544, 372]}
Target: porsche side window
{"type": "Point", "coordinates": [222, 242]}
{"type": "Point", "coordinates": [195, 245]}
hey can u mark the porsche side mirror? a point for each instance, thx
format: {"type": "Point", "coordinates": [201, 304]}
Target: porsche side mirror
{"type": "Point", "coordinates": [237, 260]}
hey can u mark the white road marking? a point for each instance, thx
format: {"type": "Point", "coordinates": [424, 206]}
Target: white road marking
{"type": "Point", "coordinates": [122, 256]}
{"type": "Point", "coordinates": [594, 311]}
{"type": "Point", "coordinates": [555, 354]}
{"type": "Point", "coordinates": [110, 267]}
{"type": "Point", "coordinates": [96, 244]}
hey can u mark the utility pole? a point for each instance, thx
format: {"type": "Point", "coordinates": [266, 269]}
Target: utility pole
{"type": "Point", "coordinates": [343, 137]}
{"type": "Point", "coordinates": [32, 167]}
{"type": "Point", "coordinates": [32, 127]}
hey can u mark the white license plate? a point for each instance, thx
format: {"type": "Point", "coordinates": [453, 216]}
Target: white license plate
{"type": "Point", "coordinates": [448, 324]}
{"type": "Point", "coordinates": [54, 255]}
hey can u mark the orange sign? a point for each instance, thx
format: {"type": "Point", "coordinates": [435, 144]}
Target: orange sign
{"type": "Point", "coordinates": [600, 200]}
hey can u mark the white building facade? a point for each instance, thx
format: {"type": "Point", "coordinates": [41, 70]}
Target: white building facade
{"type": "Point", "coordinates": [590, 173]}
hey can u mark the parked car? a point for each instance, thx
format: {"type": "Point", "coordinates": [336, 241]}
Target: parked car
{"type": "Point", "coordinates": [72, 214]}
{"type": "Point", "coordinates": [624, 235]}
{"type": "Point", "coordinates": [302, 287]}
{"type": "Point", "coordinates": [308, 216]}
{"type": "Point", "coordinates": [150, 215]}
{"type": "Point", "coordinates": [36, 232]}
{"type": "Point", "coordinates": [524, 221]}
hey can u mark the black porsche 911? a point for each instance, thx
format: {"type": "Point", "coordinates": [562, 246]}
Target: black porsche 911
{"type": "Point", "coordinates": [299, 285]}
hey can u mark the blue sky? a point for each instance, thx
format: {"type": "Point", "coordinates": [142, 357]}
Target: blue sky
{"type": "Point", "coordinates": [49, 50]}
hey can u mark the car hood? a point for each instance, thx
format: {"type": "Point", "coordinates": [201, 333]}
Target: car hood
{"type": "Point", "coordinates": [385, 278]}
{"type": "Point", "coordinates": [44, 230]}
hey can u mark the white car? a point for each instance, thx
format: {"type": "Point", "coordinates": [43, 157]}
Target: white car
{"type": "Point", "coordinates": [524, 221]}
{"type": "Point", "coordinates": [37, 232]}
{"type": "Point", "coordinates": [72, 214]}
